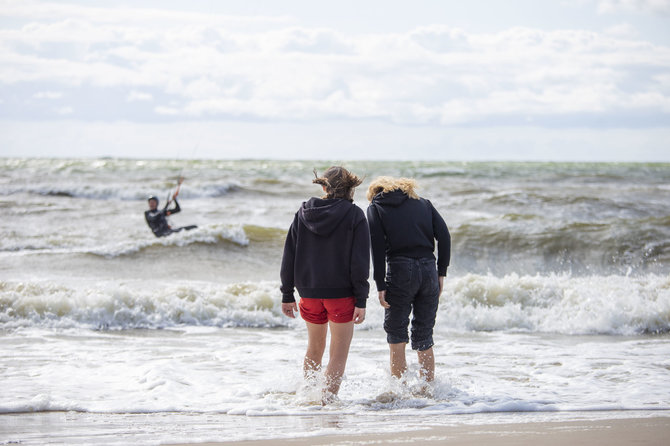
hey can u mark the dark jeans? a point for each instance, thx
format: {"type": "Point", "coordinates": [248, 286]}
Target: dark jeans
{"type": "Point", "coordinates": [411, 287]}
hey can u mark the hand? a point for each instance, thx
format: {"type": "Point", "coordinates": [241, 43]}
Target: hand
{"type": "Point", "coordinates": [382, 299]}
{"type": "Point", "coordinates": [359, 315]}
{"type": "Point", "coordinates": [289, 308]}
{"type": "Point", "coordinates": [441, 282]}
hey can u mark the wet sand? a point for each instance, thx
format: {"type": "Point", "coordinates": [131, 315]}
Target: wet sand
{"type": "Point", "coordinates": [614, 432]}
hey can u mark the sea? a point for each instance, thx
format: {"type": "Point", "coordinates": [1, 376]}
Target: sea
{"type": "Point", "coordinates": [556, 304]}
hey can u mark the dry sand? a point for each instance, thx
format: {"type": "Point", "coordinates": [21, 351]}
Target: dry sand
{"type": "Point", "coordinates": [614, 432]}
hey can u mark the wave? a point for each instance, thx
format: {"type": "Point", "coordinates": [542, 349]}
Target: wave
{"type": "Point", "coordinates": [207, 234]}
{"type": "Point", "coordinates": [611, 305]}
{"type": "Point", "coordinates": [124, 192]}
{"type": "Point", "coordinates": [446, 399]}
{"type": "Point", "coordinates": [112, 306]}
{"type": "Point", "coordinates": [515, 242]}
{"type": "Point", "coordinates": [264, 234]}
{"type": "Point", "coordinates": [608, 305]}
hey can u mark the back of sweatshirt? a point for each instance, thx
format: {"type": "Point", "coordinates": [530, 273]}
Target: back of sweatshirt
{"type": "Point", "coordinates": [327, 252]}
{"type": "Point", "coordinates": [408, 227]}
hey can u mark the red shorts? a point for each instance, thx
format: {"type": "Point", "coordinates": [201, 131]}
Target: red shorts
{"type": "Point", "coordinates": [320, 311]}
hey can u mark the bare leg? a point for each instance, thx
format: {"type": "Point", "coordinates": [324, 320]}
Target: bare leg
{"type": "Point", "coordinates": [316, 345]}
{"type": "Point", "coordinates": [427, 364]}
{"type": "Point", "coordinates": [398, 361]}
{"type": "Point", "coordinates": [340, 340]}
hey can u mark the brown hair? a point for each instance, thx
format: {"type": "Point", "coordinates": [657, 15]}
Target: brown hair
{"type": "Point", "coordinates": [339, 182]}
{"type": "Point", "coordinates": [389, 184]}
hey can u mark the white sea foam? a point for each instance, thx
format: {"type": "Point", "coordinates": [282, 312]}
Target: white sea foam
{"type": "Point", "coordinates": [612, 305]}
{"type": "Point", "coordinates": [227, 350]}
{"type": "Point", "coordinates": [257, 372]}
{"type": "Point", "coordinates": [119, 306]}
{"type": "Point", "coordinates": [209, 234]}
{"type": "Point", "coordinates": [616, 305]}
{"type": "Point", "coordinates": [56, 244]}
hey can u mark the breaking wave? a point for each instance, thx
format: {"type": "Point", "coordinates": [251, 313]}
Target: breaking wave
{"type": "Point", "coordinates": [609, 305]}
{"type": "Point", "coordinates": [113, 306]}
{"type": "Point", "coordinates": [208, 234]}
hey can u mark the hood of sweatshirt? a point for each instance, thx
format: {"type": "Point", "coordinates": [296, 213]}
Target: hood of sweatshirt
{"type": "Point", "coordinates": [393, 198]}
{"type": "Point", "coordinates": [322, 216]}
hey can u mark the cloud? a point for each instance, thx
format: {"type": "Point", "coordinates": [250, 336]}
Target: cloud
{"type": "Point", "coordinates": [135, 96]}
{"type": "Point", "coordinates": [622, 30]}
{"type": "Point", "coordinates": [142, 17]}
{"type": "Point", "coordinates": [161, 65]}
{"type": "Point", "coordinates": [660, 7]}
{"type": "Point", "coordinates": [318, 41]}
{"type": "Point", "coordinates": [169, 111]}
{"type": "Point", "coordinates": [48, 95]}
{"type": "Point", "coordinates": [440, 38]}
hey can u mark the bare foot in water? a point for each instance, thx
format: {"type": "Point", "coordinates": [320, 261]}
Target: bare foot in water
{"type": "Point", "coordinates": [387, 397]}
{"type": "Point", "coordinates": [423, 390]}
{"type": "Point", "coordinates": [329, 398]}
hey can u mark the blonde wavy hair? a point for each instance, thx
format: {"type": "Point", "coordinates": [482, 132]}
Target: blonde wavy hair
{"type": "Point", "coordinates": [389, 184]}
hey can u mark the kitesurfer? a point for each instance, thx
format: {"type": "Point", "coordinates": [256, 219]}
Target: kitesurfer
{"type": "Point", "coordinates": [157, 219]}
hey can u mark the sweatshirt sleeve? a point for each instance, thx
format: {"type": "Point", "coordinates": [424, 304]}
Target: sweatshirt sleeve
{"type": "Point", "coordinates": [288, 263]}
{"type": "Point", "coordinates": [378, 247]}
{"type": "Point", "coordinates": [441, 233]}
{"type": "Point", "coordinates": [360, 262]}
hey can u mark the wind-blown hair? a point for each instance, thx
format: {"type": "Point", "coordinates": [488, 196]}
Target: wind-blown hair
{"type": "Point", "coordinates": [389, 184]}
{"type": "Point", "coordinates": [339, 182]}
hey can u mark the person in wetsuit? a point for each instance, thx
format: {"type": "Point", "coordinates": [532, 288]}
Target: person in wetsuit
{"type": "Point", "coordinates": [157, 219]}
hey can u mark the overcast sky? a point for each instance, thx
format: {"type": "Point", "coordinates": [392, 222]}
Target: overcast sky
{"type": "Point", "coordinates": [423, 79]}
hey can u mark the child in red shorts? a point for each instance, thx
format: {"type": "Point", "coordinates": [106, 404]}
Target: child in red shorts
{"type": "Point", "coordinates": [326, 257]}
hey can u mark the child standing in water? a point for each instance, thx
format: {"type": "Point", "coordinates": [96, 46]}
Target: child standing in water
{"type": "Point", "coordinates": [327, 258]}
{"type": "Point", "coordinates": [403, 229]}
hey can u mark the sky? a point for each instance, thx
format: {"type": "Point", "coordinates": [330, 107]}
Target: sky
{"type": "Point", "coordinates": [520, 80]}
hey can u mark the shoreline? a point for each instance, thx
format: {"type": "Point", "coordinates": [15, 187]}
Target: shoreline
{"type": "Point", "coordinates": [650, 431]}
{"type": "Point", "coordinates": [642, 427]}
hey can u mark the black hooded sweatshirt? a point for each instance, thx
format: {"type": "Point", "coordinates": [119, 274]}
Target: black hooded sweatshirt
{"type": "Point", "coordinates": [404, 226]}
{"type": "Point", "coordinates": [327, 252]}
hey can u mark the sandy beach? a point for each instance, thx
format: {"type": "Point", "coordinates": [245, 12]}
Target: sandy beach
{"type": "Point", "coordinates": [614, 432]}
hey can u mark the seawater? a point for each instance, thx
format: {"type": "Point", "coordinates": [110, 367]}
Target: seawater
{"type": "Point", "coordinates": [557, 299]}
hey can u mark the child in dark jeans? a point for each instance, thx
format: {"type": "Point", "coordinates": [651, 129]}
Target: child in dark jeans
{"type": "Point", "coordinates": [327, 258]}
{"type": "Point", "coordinates": [403, 230]}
